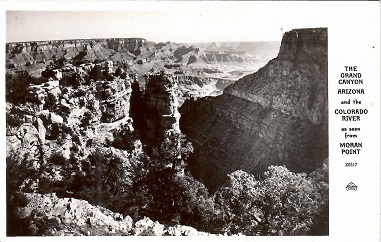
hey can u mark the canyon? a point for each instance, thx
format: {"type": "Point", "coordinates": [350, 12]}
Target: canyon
{"type": "Point", "coordinates": [210, 63]}
{"type": "Point", "coordinates": [275, 116]}
{"type": "Point", "coordinates": [100, 116]}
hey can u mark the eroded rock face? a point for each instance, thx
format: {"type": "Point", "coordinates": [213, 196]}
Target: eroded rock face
{"type": "Point", "coordinates": [78, 214]}
{"type": "Point", "coordinates": [47, 95]}
{"type": "Point", "coordinates": [29, 137]}
{"type": "Point", "coordinates": [40, 129]}
{"type": "Point", "coordinates": [114, 99]}
{"type": "Point", "coordinates": [276, 116]}
{"type": "Point", "coordinates": [43, 51]}
{"type": "Point", "coordinates": [160, 106]}
{"type": "Point", "coordinates": [296, 81]}
{"type": "Point", "coordinates": [26, 146]}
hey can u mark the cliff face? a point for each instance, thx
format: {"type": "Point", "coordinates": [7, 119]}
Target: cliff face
{"type": "Point", "coordinates": [296, 81]}
{"type": "Point", "coordinates": [276, 116]}
{"type": "Point", "coordinates": [225, 57]}
{"type": "Point", "coordinates": [114, 99]}
{"type": "Point", "coordinates": [160, 106]}
{"type": "Point", "coordinates": [42, 51]}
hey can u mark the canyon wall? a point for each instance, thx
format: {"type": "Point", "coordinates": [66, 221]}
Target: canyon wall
{"type": "Point", "coordinates": [43, 51]}
{"type": "Point", "coordinates": [276, 116]}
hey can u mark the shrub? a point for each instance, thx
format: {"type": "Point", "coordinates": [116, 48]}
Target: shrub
{"type": "Point", "coordinates": [70, 78]}
{"type": "Point", "coordinates": [16, 226]}
{"type": "Point", "coordinates": [39, 80]}
{"type": "Point", "coordinates": [86, 119]}
{"type": "Point", "coordinates": [20, 199]}
{"type": "Point", "coordinates": [125, 139]}
{"type": "Point", "coordinates": [43, 226]}
{"type": "Point", "coordinates": [282, 203]}
{"type": "Point", "coordinates": [57, 159]}
{"type": "Point", "coordinates": [15, 117]}
{"type": "Point", "coordinates": [17, 87]}
{"type": "Point", "coordinates": [54, 131]}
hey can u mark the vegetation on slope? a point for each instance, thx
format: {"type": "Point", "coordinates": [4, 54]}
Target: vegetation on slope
{"type": "Point", "coordinates": [158, 186]}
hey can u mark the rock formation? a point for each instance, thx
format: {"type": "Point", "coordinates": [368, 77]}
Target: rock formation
{"type": "Point", "coordinates": [276, 116]}
{"type": "Point", "coordinates": [84, 110]}
{"type": "Point", "coordinates": [160, 106]}
{"type": "Point", "coordinates": [114, 99]}
{"type": "Point", "coordinates": [296, 81]}
{"type": "Point", "coordinates": [47, 95]}
{"type": "Point", "coordinates": [29, 140]}
{"type": "Point", "coordinates": [76, 217]}
{"type": "Point", "coordinates": [78, 214]}
{"type": "Point", "coordinates": [21, 53]}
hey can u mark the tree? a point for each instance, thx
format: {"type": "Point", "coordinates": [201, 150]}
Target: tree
{"type": "Point", "coordinates": [234, 203]}
{"type": "Point", "coordinates": [71, 78]}
{"type": "Point", "coordinates": [173, 151]}
{"type": "Point", "coordinates": [104, 179]}
{"type": "Point", "coordinates": [321, 222]}
{"type": "Point", "coordinates": [164, 191]}
{"type": "Point", "coordinates": [17, 87]}
{"type": "Point", "coordinates": [282, 203]}
{"type": "Point", "coordinates": [19, 171]}
{"type": "Point", "coordinates": [125, 139]}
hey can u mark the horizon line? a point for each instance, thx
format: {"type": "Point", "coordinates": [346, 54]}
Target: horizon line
{"type": "Point", "coordinates": [157, 42]}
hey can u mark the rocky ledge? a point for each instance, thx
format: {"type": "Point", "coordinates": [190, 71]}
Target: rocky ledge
{"type": "Point", "coordinates": [76, 217]}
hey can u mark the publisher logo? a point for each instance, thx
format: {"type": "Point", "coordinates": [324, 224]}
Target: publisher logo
{"type": "Point", "coordinates": [351, 187]}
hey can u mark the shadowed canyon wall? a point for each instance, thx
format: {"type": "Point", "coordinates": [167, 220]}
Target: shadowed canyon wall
{"type": "Point", "coordinates": [276, 116]}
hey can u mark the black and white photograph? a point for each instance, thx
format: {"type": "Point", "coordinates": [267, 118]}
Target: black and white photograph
{"type": "Point", "coordinates": [173, 121]}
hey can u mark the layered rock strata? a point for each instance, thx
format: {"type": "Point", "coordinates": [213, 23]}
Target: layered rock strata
{"type": "Point", "coordinates": [114, 99]}
{"type": "Point", "coordinates": [160, 106]}
{"type": "Point", "coordinates": [276, 116]}
{"type": "Point", "coordinates": [19, 54]}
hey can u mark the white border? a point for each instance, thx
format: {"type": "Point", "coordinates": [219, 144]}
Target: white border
{"type": "Point", "coordinates": [353, 31]}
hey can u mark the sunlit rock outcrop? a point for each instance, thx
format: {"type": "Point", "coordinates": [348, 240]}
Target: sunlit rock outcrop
{"type": "Point", "coordinates": [114, 99]}
{"type": "Point", "coordinates": [160, 106]}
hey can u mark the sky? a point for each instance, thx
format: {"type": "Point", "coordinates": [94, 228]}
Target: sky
{"type": "Point", "coordinates": [177, 22]}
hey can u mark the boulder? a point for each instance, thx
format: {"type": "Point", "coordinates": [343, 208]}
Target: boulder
{"type": "Point", "coordinates": [41, 129]}
{"type": "Point", "coordinates": [182, 230]}
{"type": "Point", "coordinates": [146, 226]}
{"type": "Point", "coordinates": [56, 119]}
{"type": "Point", "coordinates": [29, 136]}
